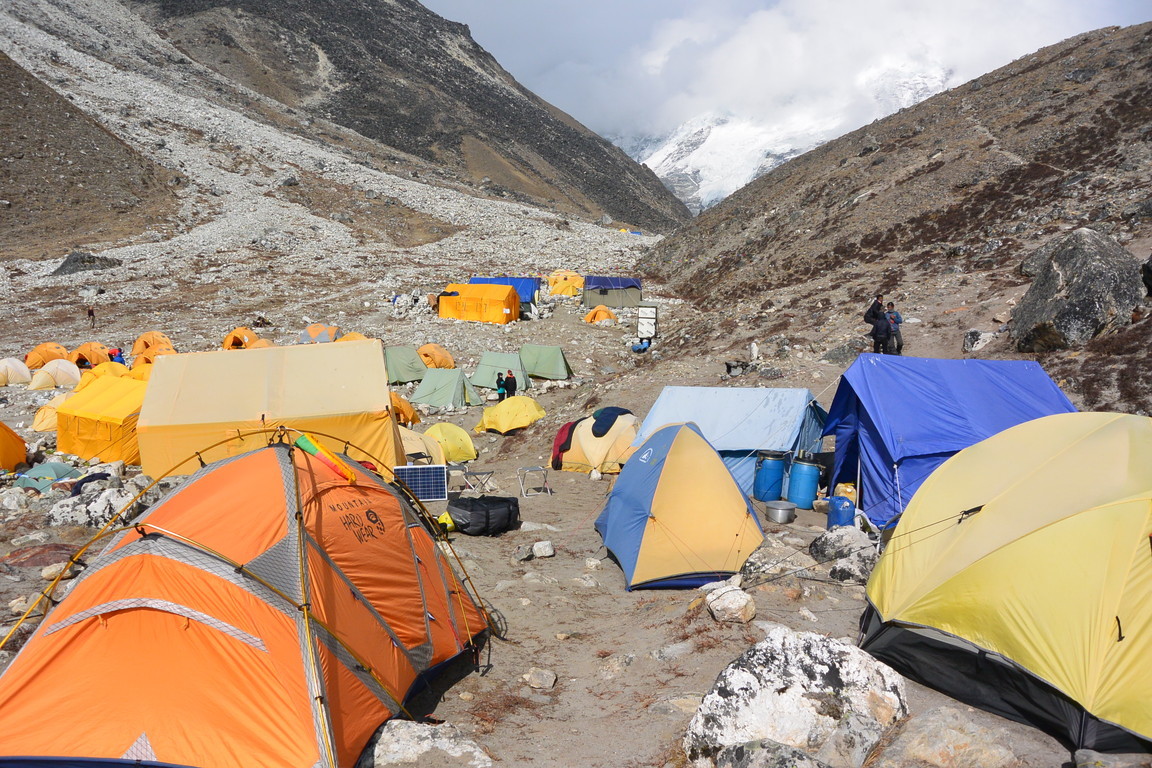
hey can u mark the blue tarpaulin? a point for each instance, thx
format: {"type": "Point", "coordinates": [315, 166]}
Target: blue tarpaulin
{"type": "Point", "coordinates": [602, 282]}
{"type": "Point", "coordinates": [897, 418]}
{"type": "Point", "coordinates": [740, 421]}
{"type": "Point", "coordinates": [526, 287]}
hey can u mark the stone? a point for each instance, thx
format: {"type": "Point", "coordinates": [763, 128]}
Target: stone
{"type": "Point", "coordinates": [1084, 284]}
{"type": "Point", "coordinates": [528, 525]}
{"type": "Point", "coordinates": [30, 539]}
{"type": "Point", "coordinates": [774, 557]}
{"type": "Point", "coordinates": [674, 651]}
{"type": "Point", "coordinates": [19, 605]}
{"type": "Point", "coordinates": [1087, 758]}
{"type": "Point", "coordinates": [112, 468]}
{"type": "Point", "coordinates": [404, 742]}
{"type": "Point", "coordinates": [797, 688]}
{"type": "Point", "coordinates": [64, 570]}
{"type": "Point", "coordinates": [975, 339]}
{"type": "Point", "coordinates": [585, 580]}
{"type": "Point", "coordinates": [592, 563]}
{"type": "Point", "coordinates": [540, 679]}
{"type": "Point", "coordinates": [543, 549]}
{"type": "Point", "coordinates": [731, 605]}
{"type": "Point", "coordinates": [946, 737]}
{"type": "Point", "coordinates": [14, 499]}
{"type": "Point", "coordinates": [80, 261]}
{"type": "Point", "coordinates": [522, 554]}
{"type": "Point", "coordinates": [848, 552]}
{"type": "Point", "coordinates": [676, 705]}
{"type": "Point", "coordinates": [765, 753]}
{"type": "Point", "coordinates": [613, 666]}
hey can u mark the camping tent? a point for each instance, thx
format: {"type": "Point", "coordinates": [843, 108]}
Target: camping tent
{"type": "Point", "coordinates": [598, 313]}
{"type": "Point", "coordinates": [565, 282]}
{"type": "Point", "coordinates": [446, 386]}
{"type": "Point", "coordinates": [419, 443]}
{"type": "Point", "coordinates": [99, 372]}
{"type": "Point", "coordinates": [318, 333]}
{"type": "Point", "coordinates": [527, 288]}
{"type": "Point", "coordinates": [42, 353]}
{"type": "Point", "coordinates": [149, 339]}
{"type": "Point", "coordinates": [1018, 580]}
{"type": "Point", "coordinates": [435, 356]}
{"type": "Point", "coordinates": [352, 336]}
{"type": "Point", "coordinates": [545, 362]}
{"type": "Point", "coordinates": [509, 414]}
{"type": "Point", "coordinates": [403, 364]}
{"type": "Point", "coordinates": [492, 363]}
{"type": "Point", "coordinates": [100, 421]}
{"type": "Point", "coordinates": [197, 400]}
{"type": "Point", "coordinates": [613, 292]}
{"type": "Point", "coordinates": [403, 409]}
{"type": "Point", "coordinates": [482, 303]}
{"type": "Point", "coordinates": [150, 354]}
{"type": "Point", "coordinates": [897, 418]}
{"type": "Point", "coordinates": [13, 451]}
{"type": "Point", "coordinates": [90, 354]}
{"type": "Point", "coordinates": [457, 443]}
{"type": "Point", "coordinates": [55, 373]}
{"type": "Point", "coordinates": [13, 371]}
{"type": "Point", "coordinates": [239, 338]}
{"type": "Point", "coordinates": [605, 453]}
{"type": "Point", "coordinates": [261, 344]}
{"type": "Point", "coordinates": [284, 614]}
{"type": "Point", "coordinates": [42, 476]}
{"type": "Point", "coordinates": [675, 517]}
{"type": "Point", "coordinates": [740, 421]}
{"type": "Point", "coordinates": [45, 419]}
{"type": "Point", "coordinates": [141, 372]}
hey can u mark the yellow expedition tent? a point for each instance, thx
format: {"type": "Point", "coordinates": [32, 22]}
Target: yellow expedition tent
{"type": "Point", "coordinates": [605, 454]}
{"type": "Point", "coordinates": [149, 355]}
{"type": "Point", "coordinates": [90, 354]}
{"type": "Point", "coordinates": [239, 338]}
{"type": "Point", "coordinates": [456, 442]}
{"type": "Point", "coordinates": [338, 390]}
{"type": "Point", "coordinates": [100, 371]}
{"type": "Point", "coordinates": [513, 413]}
{"type": "Point", "coordinates": [100, 421]}
{"type": "Point", "coordinates": [404, 411]}
{"type": "Point", "coordinates": [565, 282]}
{"type": "Point", "coordinates": [416, 443]}
{"type": "Point", "coordinates": [482, 302]}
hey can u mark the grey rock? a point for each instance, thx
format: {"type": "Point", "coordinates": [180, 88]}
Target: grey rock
{"type": "Point", "coordinates": [1087, 758]}
{"type": "Point", "coordinates": [731, 605]}
{"type": "Point", "coordinates": [796, 688]}
{"type": "Point", "coordinates": [774, 557]}
{"type": "Point", "coordinates": [946, 737]}
{"type": "Point", "coordinates": [848, 552]}
{"type": "Point", "coordinates": [854, 737]}
{"type": "Point", "coordinates": [14, 499]}
{"type": "Point", "coordinates": [29, 539]}
{"type": "Point", "coordinates": [531, 526]}
{"type": "Point", "coordinates": [403, 742]}
{"type": "Point", "coordinates": [770, 372]}
{"type": "Point", "coordinates": [540, 679]}
{"type": "Point", "coordinates": [765, 753]}
{"type": "Point", "coordinates": [676, 705]}
{"type": "Point", "coordinates": [84, 510]}
{"type": "Point", "coordinates": [975, 339]}
{"type": "Point", "coordinates": [674, 651]}
{"type": "Point", "coordinates": [845, 353]}
{"type": "Point", "coordinates": [522, 554]}
{"type": "Point", "coordinates": [80, 261]}
{"type": "Point", "coordinates": [1084, 284]}
{"type": "Point", "coordinates": [543, 549]}
{"type": "Point", "coordinates": [613, 666]}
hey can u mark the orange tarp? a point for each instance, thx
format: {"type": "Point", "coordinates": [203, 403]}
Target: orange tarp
{"type": "Point", "coordinates": [435, 356]}
{"type": "Point", "coordinates": [238, 673]}
{"type": "Point", "coordinates": [42, 353]}
{"type": "Point", "coordinates": [482, 302]}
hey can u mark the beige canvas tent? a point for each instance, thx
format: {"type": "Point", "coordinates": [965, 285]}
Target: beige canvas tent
{"type": "Point", "coordinates": [196, 400]}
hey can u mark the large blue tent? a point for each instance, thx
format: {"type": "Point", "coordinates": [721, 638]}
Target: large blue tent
{"type": "Point", "coordinates": [740, 421]}
{"type": "Point", "coordinates": [526, 287]}
{"type": "Point", "coordinates": [897, 418]}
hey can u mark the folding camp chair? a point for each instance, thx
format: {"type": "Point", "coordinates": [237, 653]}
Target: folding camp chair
{"type": "Point", "coordinates": [522, 475]}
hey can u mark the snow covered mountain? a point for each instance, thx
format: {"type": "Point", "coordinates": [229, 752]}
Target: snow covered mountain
{"type": "Point", "coordinates": [712, 155]}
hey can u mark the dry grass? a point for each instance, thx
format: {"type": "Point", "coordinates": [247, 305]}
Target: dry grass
{"type": "Point", "coordinates": [493, 707]}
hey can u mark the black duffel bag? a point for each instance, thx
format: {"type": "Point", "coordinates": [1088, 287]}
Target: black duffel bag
{"type": "Point", "coordinates": [486, 515]}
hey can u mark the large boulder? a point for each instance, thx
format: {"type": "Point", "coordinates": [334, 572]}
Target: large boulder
{"type": "Point", "coordinates": [765, 753]}
{"type": "Point", "coordinates": [946, 737]}
{"type": "Point", "coordinates": [847, 551]}
{"type": "Point", "coordinates": [774, 557]}
{"type": "Point", "coordinates": [80, 261]}
{"type": "Point", "coordinates": [1083, 285]}
{"type": "Point", "coordinates": [88, 511]}
{"type": "Point", "coordinates": [403, 742]}
{"type": "Point", "coordinates": [818, 694]}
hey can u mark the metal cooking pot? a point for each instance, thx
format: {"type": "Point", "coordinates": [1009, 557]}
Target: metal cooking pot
{"type": "Point", "coordinates": [781, 511]}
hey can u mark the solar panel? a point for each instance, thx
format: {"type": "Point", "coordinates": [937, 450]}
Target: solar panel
{"type": "Point", "coordinates": [428, 481]}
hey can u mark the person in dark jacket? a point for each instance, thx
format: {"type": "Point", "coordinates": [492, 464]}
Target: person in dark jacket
{"type": "Point", "coordinates": [881, 331]}
{"type": "Point", "coordinates": [501, 390]}
{"type": "Point", "coordinates": [510, 384]}
{"type": "Point", "coordinates": [895, 320]}
{"type": "Point", "coordinates": [876, 310]}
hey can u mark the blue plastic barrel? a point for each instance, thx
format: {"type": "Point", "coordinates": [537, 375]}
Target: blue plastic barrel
{"type": "Point", "coordinates": [841, 511]}
{"type": "Point", "coordinates": [769, 478]}
{"type": "Point", "coordinates": [803, 480]}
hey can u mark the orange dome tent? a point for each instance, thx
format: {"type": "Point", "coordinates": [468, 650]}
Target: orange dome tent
{"type": "Point", "coordinates": [239, 338]}
{"type": "Point", "coordinates": [261, 344]}
{"type": "Point", "coordinates": [318, 333]}
{"type": "Point", "coordinates": [99, 371]}
{"type": "Point", "coordinates": [352, 336]}
{"type": "Point", "coordinates": [598, 313]}
{"type": "Point", "coordinates": [287, 611]}
{"type": "Point", "coordinates": [405, 413]}
{"type": "Point", "coordinates": [13, 451]}
{"type": "Point", "coordinates": [435, 356]}
{"type": "Point", "coordinates": [141, 372]}
{"type": "Point", "coordinates": [42, 353]}
{"type": "Point", "coordinates": [150, 339]}
{"type": "Point", "coordinates": [150, 354]}
{"type": "Point", "coordinates": [90, 354]}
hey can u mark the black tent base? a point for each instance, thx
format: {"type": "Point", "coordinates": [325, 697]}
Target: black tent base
{"type": "Point", "coordinates": [990, 682]}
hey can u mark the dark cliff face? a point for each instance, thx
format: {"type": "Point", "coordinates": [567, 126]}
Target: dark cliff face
{"type": "Point", "coordinates": [966, 181]}
{"type": "Point", "coordinates": [397, 73]}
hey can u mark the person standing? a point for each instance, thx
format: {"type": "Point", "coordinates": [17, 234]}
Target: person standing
{"type": "Point", "coordinates": [91, 317]}
{"type": "Point", "coordinates": [501, 389]}
{"type": "Point", "coordinates": [875, 310]}
{"type": "Point", "coordinates": [881, 331]}
{"type": "Point", "coordinates": [895, 339]}
{"type": "Point", "coordinates": [510, 384]}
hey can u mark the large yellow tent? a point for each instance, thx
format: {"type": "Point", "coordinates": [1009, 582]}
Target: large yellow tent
{"type": "Point", "coordinates": [56, 373]}
{"type": "Point", "coordinates": [196, 400]}
{"type": "Point", "coordinates": [42, 353]}
{"type": "Point", "coordinates": [417, 443]}
{"type": "Point", "coordinates": [435, 356]}
{"type": "Point", "coordinates": [13, 451]}
{"type": "Point", "coordinates": [1019, 579]}
{"type": "Point", "coordinates": [45, 419]}
{"type": "Point", "coordinates": [456, 442]}
{"type": "Point", "coordinates": [513, 413]}
{"type": "Point", "coordinates": [13, 371]}
{"type": "Point", "coordinates": [605, 454]}
{"type": "Point", "coordinates": [150, 339]}
{"type": "Point", "coordinates": [482, 302]}
{"type": "Point", "coordinates": [100, 371]}
{"type": "Point", "coordinates": [565, 282]}
{"type": "Point", "coordinates": [100, 421]}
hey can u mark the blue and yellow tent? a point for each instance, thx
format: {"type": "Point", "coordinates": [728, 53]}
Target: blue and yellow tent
{"type": "Point", "coordinates": [676, 518]}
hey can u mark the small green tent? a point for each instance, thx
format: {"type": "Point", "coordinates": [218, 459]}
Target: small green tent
{"type": "Point", "coordinates": [403, 364]}
{"type": "Point", "coordinates": [446, 386]}
{"type": "Point", "coordinates": [492, 363]}
{"type": "Point", "coordinates": [545, 362]}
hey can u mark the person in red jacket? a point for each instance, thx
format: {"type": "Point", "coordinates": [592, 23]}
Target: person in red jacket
{"type": "Point", "coordinates": [510, 384]}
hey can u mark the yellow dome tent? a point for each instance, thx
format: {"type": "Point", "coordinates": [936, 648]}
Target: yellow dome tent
{"type": "Point", "coordinates": [13, 371]}
{"type": "Point", "coordinates": [352, 336]}
{"type": "Point", "coordinates": [405, 413]}
{"type": "Point", "coordinates": [101, 420]}
{"type": "Point", "coordinates": [514, 413]}
{"type": "Point", "coordinates": [318, 333]}
{"type": "Point", "coordinates": [149, 339]}
{"type": "Point", "coordinates": [261, 344]}
{"type": "Point", "coordinates": [104, 369]}
{"type": "Point", "coordinates": [90, 354]}
{"type": "Point", "coordinates": [1019, 580]}
{"type": "Point", "coordinates": [598, 313]}
{"type": "Point", "coordinates": [415, 442]}
{"type": "Point", "coordinates": [141, 372]}
{"type": "Point", "coordinates": [605, 454]}
{"type": "Point", "coordinates": [239, 338]}
{"type": "Point", "coordinates": [149, 355]}
{"type": "Point", "coordinates": [457, 443]}
{"type": "Point", "coordinates": [42, 353]}
{"type": "Point", "coordinates": [565, 282]}
{"type": "Point", "coordinates": [56, 373]}
{"type": "Point", "coordinates": [45, 420]}
{"type": "Point", "coordinates": [435, 356]}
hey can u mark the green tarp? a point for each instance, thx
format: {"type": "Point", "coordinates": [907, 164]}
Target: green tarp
{"type": "Point", "coordinates": [403, 364]}
{"type": "Point", "coordinates": [445, 386]}
{"type": "Point", "coordinates": [492, 363]}
{"type": "Point", "coordinates": [545, 362]}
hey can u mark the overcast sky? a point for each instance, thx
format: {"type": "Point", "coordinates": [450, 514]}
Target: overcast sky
{"type": "Point", "coordinates": [636, 67]}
